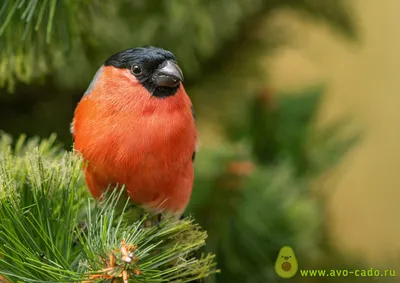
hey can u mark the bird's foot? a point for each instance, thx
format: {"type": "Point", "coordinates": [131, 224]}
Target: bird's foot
{"type": "Point", "coordinates": [150, 221]}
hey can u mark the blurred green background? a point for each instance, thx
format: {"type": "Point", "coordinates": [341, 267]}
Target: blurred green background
{"type": "Point", "coordinates": [281, 90]}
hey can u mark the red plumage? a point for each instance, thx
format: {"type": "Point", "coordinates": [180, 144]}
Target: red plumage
{"type": "Point", "coordinates": [131, 137]}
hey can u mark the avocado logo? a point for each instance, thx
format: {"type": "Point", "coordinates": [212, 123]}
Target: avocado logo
{"type": "Point", "coordinates": [286, 265]}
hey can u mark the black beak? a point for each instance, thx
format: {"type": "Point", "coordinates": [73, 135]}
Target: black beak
{"type": "Point", "coordinates": [169, 75]}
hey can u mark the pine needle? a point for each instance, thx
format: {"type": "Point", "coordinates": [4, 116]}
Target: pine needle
{"type": "Point", "coordinates": [43, 204]}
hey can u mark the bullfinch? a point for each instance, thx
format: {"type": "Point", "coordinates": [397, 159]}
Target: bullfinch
{"type": "Point", "coordinates": [135, 126]}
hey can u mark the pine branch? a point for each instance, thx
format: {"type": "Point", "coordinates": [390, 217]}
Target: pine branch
{"type": "Point", "coordinates": [32, 32]}
{"type": "Point", "coordinates": [43, 202]}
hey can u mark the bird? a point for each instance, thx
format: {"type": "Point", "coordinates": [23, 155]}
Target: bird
{"type": "Point", "coordinates": [135, 126]}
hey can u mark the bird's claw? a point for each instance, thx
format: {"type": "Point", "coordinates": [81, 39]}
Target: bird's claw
{"type": "Point", "coordinates": [148, 222]}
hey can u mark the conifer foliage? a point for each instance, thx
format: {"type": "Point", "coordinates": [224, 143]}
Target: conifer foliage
{"type": "Point", "coordinates": [52, 231]}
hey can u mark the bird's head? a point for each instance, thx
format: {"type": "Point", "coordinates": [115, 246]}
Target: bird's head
{"type": "Point", "coordinates": [153, 68]}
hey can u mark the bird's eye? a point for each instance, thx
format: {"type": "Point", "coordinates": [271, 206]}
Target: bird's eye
{"type": "Point", "coordinates": [136, 70]}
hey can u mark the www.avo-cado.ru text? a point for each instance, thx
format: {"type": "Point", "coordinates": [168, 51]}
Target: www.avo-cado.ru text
{"type": "Point", "coordinates": [344, 273]}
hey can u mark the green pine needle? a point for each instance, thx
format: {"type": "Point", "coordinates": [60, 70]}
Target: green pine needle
{"type": "Point", "coordinates": [52, 231]}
